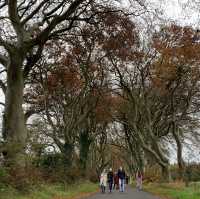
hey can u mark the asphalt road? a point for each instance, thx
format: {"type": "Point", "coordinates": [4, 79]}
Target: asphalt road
{"type": "Point", "coordinates": [129, 193]}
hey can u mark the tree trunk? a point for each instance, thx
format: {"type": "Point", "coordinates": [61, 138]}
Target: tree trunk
{"type": "Point", "coordinates": [187, 176]}
{"type": "Point", "coordinates": [181, 164]}
{"type": "Point", "coordinates": [67, 151]}
{"type": "Point", "coordinates": [84, 142]}
{"type": "Point", "coordinates": [166, 175]}
{"type": "Point", "coordinates": [14, 130]}
{"type": "Point", "coordinates": [175, 133]}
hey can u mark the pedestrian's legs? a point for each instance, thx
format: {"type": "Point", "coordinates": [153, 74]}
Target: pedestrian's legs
{"type": "Point", "coordinates": [137, 183]}
{"type": "Point", "coordinates": [123, 185]}
{"type": "Point", "coordinates": [140, 185]}
{"type": "Point", "coordinates": [120, 185]}
{"type": "Point", "coordinates": [110, 186]}
{"type": "Point", "coordinates": [101, 188]}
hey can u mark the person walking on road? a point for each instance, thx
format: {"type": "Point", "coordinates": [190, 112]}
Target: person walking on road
{"type": "Point", "coordinates": [116, 181]}
{"type": "Point", "coordinates": [110, 177]}
{"type": "Point", "coordinates": [103, 181]}
{"type": "Point", "coordinates": [127, 179]}
{"type": "Point", "coordinates": [139, 178]}
{"type": "Point", "coordinates": [122, 176]}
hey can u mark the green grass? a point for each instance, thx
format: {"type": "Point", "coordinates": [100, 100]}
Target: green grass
{"type": "Point", "coordinates": [58, 191]}
{"type": "Point", "coordinates": [175, 190]}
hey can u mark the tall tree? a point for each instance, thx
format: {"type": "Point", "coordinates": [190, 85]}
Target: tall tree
{"type": "Point", "coordinates": [26, 27]}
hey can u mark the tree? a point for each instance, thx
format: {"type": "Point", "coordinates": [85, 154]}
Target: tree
{"type": "Point", "coordinates": [176, 74]}
{"type": "Point", "coordinates": [27, 26]}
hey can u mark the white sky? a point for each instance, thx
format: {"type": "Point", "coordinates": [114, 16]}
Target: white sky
{"type": "Point", "coordinates": [180, 11]}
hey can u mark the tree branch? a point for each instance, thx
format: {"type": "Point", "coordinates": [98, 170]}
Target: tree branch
{"type": "Point", "coordinates": [3, 86]}
{"type": "Point", "coordinates": [31, 112]}
{"type": "Point", "coordinates": [1, 103]}
{"type": "Point", "coordinates": [14, 17]}
{"type": "Point", "coordinates": [31, 15]}
{"type": "Point", "coordinates": [31, 61]}
{"type": "Point", "coordinates": [44, 35]}
{"type": "Point", "coordinates": [3, 60]}
{"type": "Point", "coordinates": [5, 44]}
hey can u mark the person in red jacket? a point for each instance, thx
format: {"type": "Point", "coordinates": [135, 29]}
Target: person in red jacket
{"type": "Point", "coordinates": [116, 181]}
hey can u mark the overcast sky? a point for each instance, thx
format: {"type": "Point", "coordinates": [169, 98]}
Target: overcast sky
{"type": "Point", "coordinates": [179, 11]}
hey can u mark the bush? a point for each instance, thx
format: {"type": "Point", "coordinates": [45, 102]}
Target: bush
{"type": "Point", "coordinates": [3, 174]}
{"type": "Point", "coordinates": [50, 161]}
{"type": "Point", "coordinates": [153, 174]}
{"type": "Point", "coordinates": [192, 172]}
{"type": "Point", "coordinates": [4, 178]}
{"type": "Point", "coordinates": [93, 177]}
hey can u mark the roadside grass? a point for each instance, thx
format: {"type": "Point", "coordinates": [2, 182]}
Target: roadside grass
{"type": "Point", "coordinates": [174, 190]}
{"type": "Point", "coordinates": [51, 191]}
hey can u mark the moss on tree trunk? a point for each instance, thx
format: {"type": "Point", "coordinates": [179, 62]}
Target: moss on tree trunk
{"type": "Point", "coordinates": [14, 130]}
{"type": "Point", "coordinates": [84, 142]}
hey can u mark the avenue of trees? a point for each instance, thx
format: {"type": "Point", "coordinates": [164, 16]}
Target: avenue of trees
{"type": "Point", "coordinates": [85, 88]}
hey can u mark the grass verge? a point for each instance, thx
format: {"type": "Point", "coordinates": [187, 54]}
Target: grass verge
{"type": "Point", "coordinates": [52, 191]}
{"type": "Point", "coordinates": [174, 190]}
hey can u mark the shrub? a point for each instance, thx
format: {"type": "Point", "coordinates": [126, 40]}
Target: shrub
{"type": "Point", "coordinates": [192, 172]}
{"type": "Point", "coordinates": [153, 174]}
{"type": "Point", "coordinates": [93, 177]}
{"type": "Point", "coordinates": [4, 178]}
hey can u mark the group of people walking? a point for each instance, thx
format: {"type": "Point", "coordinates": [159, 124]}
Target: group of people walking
{"type": "Point", "coordinates": [114, 180]}
{"type": "Point", "coordinates": [117, 180]}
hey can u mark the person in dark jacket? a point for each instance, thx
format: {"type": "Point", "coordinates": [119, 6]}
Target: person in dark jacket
{"type": "Point", "coordinates": [110, 178]}
{"type": "Point", "coordinates": [127, 179]}
{"type": "Point", "coordinates": [122, 176]}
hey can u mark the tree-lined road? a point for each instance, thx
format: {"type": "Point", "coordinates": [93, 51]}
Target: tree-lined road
{"type": "Point", "coordinates": [128, 194]}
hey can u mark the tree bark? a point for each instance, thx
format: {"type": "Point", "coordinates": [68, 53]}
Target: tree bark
{"type": "Point", "coordinates": [166, 175]}
{"type": "Point", "coordinates": [84, 142]}
{"type": "Point", "coordinates": [181, 164]}
{"type": "Point", "coordinates": [67, 151]}
{"type": "Point", "coordinates": [14, 130]}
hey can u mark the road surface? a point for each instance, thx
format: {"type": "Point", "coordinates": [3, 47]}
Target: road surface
{"type": "Point", "coordinates": [129, 193]}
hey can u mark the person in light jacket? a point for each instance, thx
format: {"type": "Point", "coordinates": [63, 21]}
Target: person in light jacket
{"type": "Point", "coordinates": [139, 178]}
{"type": "Point", "coordinates": [103, 181]}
